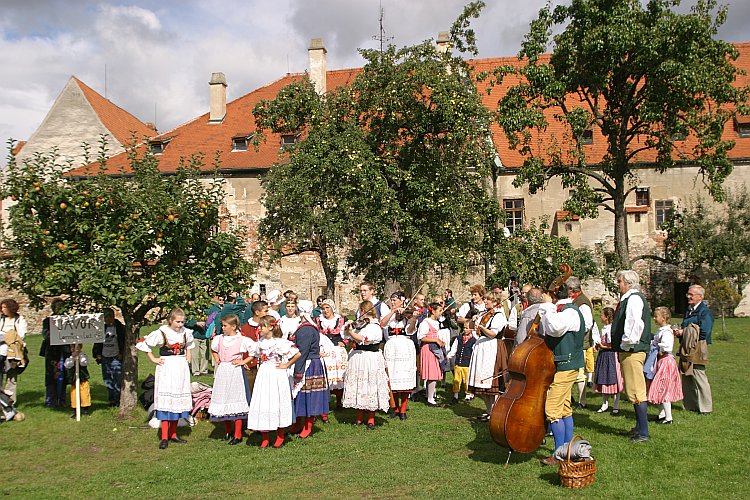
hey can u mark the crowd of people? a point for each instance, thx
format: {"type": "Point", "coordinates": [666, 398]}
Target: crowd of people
{"type": "Point", "coordinates": [277, 360]}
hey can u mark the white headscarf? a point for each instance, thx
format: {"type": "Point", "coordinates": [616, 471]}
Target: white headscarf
{"type": "Point", "coordinates": [305, 309]}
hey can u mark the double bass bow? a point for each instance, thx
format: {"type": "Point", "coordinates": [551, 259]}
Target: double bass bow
{"type": "Point", "coordinates": [517, 420]}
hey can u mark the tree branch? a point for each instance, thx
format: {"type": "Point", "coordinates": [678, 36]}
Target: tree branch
{"type": "Point", "coordinates": [650, 257]}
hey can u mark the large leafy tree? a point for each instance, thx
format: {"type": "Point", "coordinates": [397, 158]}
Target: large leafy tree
{"type": "Point", "coordinates": [407, 144]}
{"type": "Point", "coordinates": [141, 242]}
{"type": "Point", "coordinates": [656, 84]}
{"type": "Point", "coordinates": [329, 187]}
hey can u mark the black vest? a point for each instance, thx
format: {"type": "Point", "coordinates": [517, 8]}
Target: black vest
{"type": "Point", "coordinates": [618, 325]}
{"type": "Point", "coordinates": [464, 350]}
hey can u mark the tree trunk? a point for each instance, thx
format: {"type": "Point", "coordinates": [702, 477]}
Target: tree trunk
{"type": "Point", "coordinates": [330, 270]}
{"type": "Point", "coordinates": [129, 393]}
{"type": "Point", "coordinates": [621, 227]}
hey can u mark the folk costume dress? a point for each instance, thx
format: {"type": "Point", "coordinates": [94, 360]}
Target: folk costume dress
{"type": "Point", "coordinates": [172, 396]}
{"type": "Point", "coordinates": [607, 373]}
{"type": "Point", "coordinates": [231, 394]}
{"type": "Point", "coordinates": [666, 386]}
{"type": "Point", "coordinates": [311, 394]}
{"type": "Point", "coordinates": [336, 357]}
{"type": "Point", "coordinates": [429, 366]}
{"type": "Point", "coordinates": [400, 358]}
{"type": "Point", "coordinates": [483, 378]}
{"type": "Point", "coordinates": [271, 406]}
{"type": "Point", "coordinates": [289, 325]}
{"type": "Point", "coordinates": [366, 383]}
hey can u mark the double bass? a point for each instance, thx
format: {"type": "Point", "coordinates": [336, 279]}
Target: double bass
{"type": "Point", "coordinates": [517, 421]}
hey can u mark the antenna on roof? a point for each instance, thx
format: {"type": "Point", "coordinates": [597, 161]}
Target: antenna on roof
{"type": "Point", "coordinates": [105, 81]}
{"type": "Point", "coordinates": [155, 122]}
{"type": "Point", "coordinates": [381, 36]}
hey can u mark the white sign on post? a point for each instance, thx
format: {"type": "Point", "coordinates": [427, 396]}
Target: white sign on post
{"type": "Point", "coordinates": [76, 329]}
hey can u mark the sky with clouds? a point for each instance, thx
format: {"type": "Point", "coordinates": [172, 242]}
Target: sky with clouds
{"type": "Point", "coordinates": [159, 55]}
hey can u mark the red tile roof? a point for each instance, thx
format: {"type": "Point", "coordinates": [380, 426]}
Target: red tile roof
{"type": "Point", "coordinates": [199, 136]}
{"type": "Point", "coordinates": [564, 215]}
{"type": "Point", "coordinates": [640, 209]}
{"type": "Point", "coordinates": [119, 122]}
{"type": "Point", "coordinates": [18, 146]}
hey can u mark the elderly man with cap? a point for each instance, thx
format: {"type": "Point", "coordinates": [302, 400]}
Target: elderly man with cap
{"type": "Point", "coordinates": [631, 339]}
{"type": "Point", "coordinates": [310, 391]}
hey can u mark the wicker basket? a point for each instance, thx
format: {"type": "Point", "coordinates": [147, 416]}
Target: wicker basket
{"type": "Point", "coordinates": [577, 475]}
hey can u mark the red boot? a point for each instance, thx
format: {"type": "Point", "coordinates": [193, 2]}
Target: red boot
{"type": "Point", "coordinates": [279, 438]}
{"type": "Point", "coordinates": [370, 420]}
{"type": "Point", "coordinates": [297, 427]}
{"type": "Point", "coordinates": [360, 416]}
{"type": "Point", "coordinates": [308, 427]}
{"type": "Point", "coordinates": [264, 443]}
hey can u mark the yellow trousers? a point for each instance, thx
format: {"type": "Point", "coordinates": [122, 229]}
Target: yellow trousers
{"type": "Point", "coordinates": [460, 378]}
{"type": "Point", "coordinates": [85, 395]}
{"type": "Point", "coordinates": [558, 396]}
{"type": "Point", "coordinates": [631, 364]}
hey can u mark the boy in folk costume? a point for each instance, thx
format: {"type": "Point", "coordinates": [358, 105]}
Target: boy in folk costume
{"type": "Point", "coordinates": [584, 305]}
{"type": "Point", "coordinates": [172, 396]}
{"type": "Point", "coordinates": [461, 351]}
{"type": "Point", "coordinates": [249, 330]}
{"type": "Point", "coordinates": [83, 375]}
{"type": "Point", "coordinates": [400, 356]}
{"type": "Point", "coordinates": [312, 395]}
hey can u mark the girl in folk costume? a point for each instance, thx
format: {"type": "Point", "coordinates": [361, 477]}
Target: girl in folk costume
{"type": "Point", "coordinates": [331, 326]}
{"type": "Point", "coordinates": [231, 393]}
{"type": "Point", "coordinates": [366, 383]}
{"type": "Point", "coordinates": [172, 397]}
{"type": "Point", "coordinates": [666, 386]}
{"type": "Point", "coordinates": [607, 373]}
{"type": "Point", "coordinates": [485, 374]}
{"type": "Point", "coordinates": [430, 358]}
{"type": "Point", "coordinates": [400, 356]}
{"type": "Point", "coordinates": [310, 390]}
{"type": "Point", "coordinates": [290, 321]}
{"type": "Point", "coordinates": [271, 406]}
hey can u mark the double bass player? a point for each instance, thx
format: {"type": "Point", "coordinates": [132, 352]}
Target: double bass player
{"type": "Point", "coordinates": [563, 327]}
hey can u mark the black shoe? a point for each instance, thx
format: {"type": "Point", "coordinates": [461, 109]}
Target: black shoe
{"type": "Point", "coordinates": [454, 401]}
{"type": "Point", "coordinates": [370, 427]}
{"type": "Point", "coordinates": [227, 437]}
{"type": "Point", "coordinates": [402, 416]}
{"type": "Point", "coordinates": [234, 441]}
{"type": "Point", "coordinates": [178, 440]}
{"type": "Point", "coordinates": [163, 444]}
{"type": "Point", "coordinates": [631, 433]}
{"type": "Point", "coordinates": [580, 406]}
{"type": "Point", "coordinates": [433, 405]}
{"type": "Point", "coordinates": [615, 412]}
{"type": "Point", "coordinates": [638, 439]}
{"type": "Point", "coordinates": [394, 414]}
{"type": "Point", "coordinates": [86, 412]}
{"type": "Point", "coordinates": [665, 422]}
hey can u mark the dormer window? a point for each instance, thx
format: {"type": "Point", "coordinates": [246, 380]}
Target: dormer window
{"type": "Point", "coordinates": [642, 197]}
{"type": "Point", "coordinates": [157, 146]}
{"type": "Point", "coordinates": [289, 140]}
{"type": "Point", "coordinates": [240, 142]}
{"type": "Point", "coordinates": [742, 125]}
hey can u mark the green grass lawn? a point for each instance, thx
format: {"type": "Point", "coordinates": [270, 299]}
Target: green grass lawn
{"type": "Point", "coordinates": [437, 452]}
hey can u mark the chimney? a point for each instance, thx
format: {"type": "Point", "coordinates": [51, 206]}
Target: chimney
{"type": "Point", "coordinates": [218, 98]}
{"type": "Point", "coordinates": [443, 41]}
{"type": "Point", "coordinates": [317, 55]}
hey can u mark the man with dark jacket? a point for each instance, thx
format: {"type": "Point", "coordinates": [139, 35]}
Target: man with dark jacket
{"type": "Point", "coordinates": [695, 387]}
{"type": "Point", "coordinates": [109, 355]}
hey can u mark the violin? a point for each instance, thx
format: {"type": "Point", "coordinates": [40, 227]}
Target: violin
{"type": "Point", "coordinates": [487, 317]}
{"type": "Point", "coordinates": [517, 419]}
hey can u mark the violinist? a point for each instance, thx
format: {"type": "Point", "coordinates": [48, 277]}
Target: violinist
{"type": "Point", "coordinates": [485, 375]}
{"type": "Point", "coordinates": [564, 328]}
{"type": "Point", "coordinates": [400, 355]}
{"type": "Point", "coordinates": [366, 383]}
{"type": "Point", "coordinates": [474, 306]}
